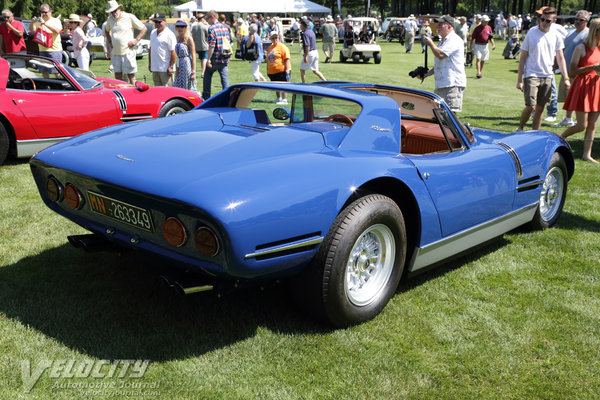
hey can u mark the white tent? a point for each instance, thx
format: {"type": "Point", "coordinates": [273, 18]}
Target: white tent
{"type": "Point", "coordinates": [258, 6]}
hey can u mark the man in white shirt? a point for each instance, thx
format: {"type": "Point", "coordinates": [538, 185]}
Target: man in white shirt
{"type": "Point", "coordinates": [162, 56]}
{"type": "Point", "coordinates": [410, 29]}
{"type": "Point", "coordinates": [449, 64]}
{"type": "Point", "coordinates": [536, 63]}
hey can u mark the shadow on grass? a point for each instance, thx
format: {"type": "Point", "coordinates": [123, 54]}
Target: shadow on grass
{"type": "Point", "coordinates": [577, 223]}
{"type": "Point", "coordinates": [113, 306]}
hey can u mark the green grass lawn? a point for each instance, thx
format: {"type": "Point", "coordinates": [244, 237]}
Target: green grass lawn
{"type": "Point", "coordinates": [517, 319]}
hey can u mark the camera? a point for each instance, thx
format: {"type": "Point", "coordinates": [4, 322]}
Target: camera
{"type": "Point", "coordinates": [419, 72]}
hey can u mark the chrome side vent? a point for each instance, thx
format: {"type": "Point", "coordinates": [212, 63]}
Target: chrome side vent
{"type": "Point", "coordinates": [515, 157]}
{"type": "Point", "coordinates": [287, 246]}
{"type": "Point", "coordinates": [121, 99]}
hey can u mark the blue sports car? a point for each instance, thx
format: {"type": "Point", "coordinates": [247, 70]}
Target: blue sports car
{"type": "Point", "coordinates": [342, 187]}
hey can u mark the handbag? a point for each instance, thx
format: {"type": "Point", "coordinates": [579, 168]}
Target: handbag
{"type": "Point", "coordinates": [42, 37]}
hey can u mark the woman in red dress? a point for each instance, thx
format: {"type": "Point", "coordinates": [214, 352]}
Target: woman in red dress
{"type": "Point", "coordinates": [584, 94]}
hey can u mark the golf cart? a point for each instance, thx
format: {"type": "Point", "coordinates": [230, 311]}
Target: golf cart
{"type": "Point", "coordinates": [360, 40]}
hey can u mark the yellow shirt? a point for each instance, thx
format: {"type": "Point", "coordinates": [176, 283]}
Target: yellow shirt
{"type": "Point", "coordinates": [56, 43]}
{"type": "Point", "coordinates": [121, 31]}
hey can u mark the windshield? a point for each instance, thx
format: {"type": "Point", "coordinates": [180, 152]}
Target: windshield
{"type": "Point", "coordinates": [83, 80]}
{"type": "Point", "coordinates": [287, 107]}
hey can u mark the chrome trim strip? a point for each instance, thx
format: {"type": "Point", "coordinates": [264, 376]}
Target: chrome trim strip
{"type": "Point", "coordinates": [27, 148]}
{"type": "Point", "coordinates": [530, 185]}
{"type": "Point", "coordinates": [285, 247]}
{"type": "Point", "coordinates": [515, 158]}
{"type": "Point", "coordinates": [136, 118]}
{"type": "Point", "coordinates": [457, 243]}
{"type": "Point", "coordinates": [121, 99]}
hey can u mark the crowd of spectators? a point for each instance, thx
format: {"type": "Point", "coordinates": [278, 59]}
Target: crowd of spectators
{"type": "Point", "coordinates": [172, 58]}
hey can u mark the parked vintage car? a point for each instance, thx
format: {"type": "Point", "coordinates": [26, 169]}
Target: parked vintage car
{"type": "Point", "coordinates": [358, 49]}
{"type": "Point", "coordinates": [395, 30]}
{"type": "Point", "coordinates": [46, 102]}
{"type": "Point", "coordinates": [350, 188]}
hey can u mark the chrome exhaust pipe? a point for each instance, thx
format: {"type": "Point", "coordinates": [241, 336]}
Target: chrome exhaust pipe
{"type": "Point", "coordinates": [90, 242]}
{"type": "Point", "coordinates": [185, 287]}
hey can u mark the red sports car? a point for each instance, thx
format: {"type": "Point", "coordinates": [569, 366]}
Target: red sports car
{"type": "Point", "coordinates": [44, 102]}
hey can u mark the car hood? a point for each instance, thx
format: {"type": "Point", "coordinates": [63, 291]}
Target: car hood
{"type": "Point", "coordinates": [164, 155]}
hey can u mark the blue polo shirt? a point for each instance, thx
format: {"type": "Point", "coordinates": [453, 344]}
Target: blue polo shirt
{"type": "Point", "coordinates": [309, 39]}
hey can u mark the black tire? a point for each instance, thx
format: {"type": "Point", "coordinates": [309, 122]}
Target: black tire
{"type": "Point", "coordinates": [65, 59]}
{"type": "Point", "coordinates": [4, 144]}
{"type": "Point", "coordinates": [342, 58]}
{"type": "Point", "coordinates": [174, 106]}
{"type": "Point", "coordinates": [377, 58]}
{"type": "Point", "coordinates": [355, 58]}
{"type": "Point", "coordinates": [552, 195]}
{"type": "Point", "coordinates": [370, 235]}
{"type": "Point", "coordinates": [388, 38]}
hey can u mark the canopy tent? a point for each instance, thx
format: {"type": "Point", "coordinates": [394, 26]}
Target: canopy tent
{"type": "Point", "coordinates": [258, 6]}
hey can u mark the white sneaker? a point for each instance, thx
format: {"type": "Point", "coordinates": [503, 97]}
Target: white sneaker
{"type": "Point", "coordinates": [277, 100]}
{"type": "Point", "coordinates": [550, 118]}
{"type": "Point", "coordinates": [566, 122]}
{"type": "Point", "coordinates": [282, 102]}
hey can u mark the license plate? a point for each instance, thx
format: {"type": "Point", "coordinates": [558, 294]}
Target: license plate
{"type": "Point", "coordinates": [123, 212]}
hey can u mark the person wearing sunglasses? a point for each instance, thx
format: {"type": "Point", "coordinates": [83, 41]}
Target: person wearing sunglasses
{"type": "Point", "coordinates": [162, 56]}
{"type": "Point", "coordinates": [536, 67]}
{"type": "Point", "coordinates": [11, 34]}
{"type": "Point", "coordinates": [52, 25]}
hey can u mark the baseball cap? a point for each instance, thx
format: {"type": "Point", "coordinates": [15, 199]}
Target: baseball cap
{"type": "Point", "coordinates": [445, 18]}
{"type": "Point", "coordinates": [158, 17]}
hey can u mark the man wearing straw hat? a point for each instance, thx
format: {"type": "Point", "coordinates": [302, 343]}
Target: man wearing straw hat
{"type": "Point", "coordinates": [119, 34]}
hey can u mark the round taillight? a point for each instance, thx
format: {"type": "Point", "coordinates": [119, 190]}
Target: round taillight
{"type": "Point", "coordinates": [206, 242]}
{"type": "Point", "coordinates": [174, 232]}
{"type": "Point", "coordinates": [54, 189]}
{"type": "Point", "coordinates": [73, 198]}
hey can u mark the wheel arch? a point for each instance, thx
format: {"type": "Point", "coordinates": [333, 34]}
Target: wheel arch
{"type": "Point", "coordinates": [403, 196]}
{"type": "Point", "coordinates": [12, 137]}
{"type": "Point", "coordinates": [569, 159]}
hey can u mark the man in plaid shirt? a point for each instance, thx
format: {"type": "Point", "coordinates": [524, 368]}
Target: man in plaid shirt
{"type": "Point", "coordinates": [218, 39]}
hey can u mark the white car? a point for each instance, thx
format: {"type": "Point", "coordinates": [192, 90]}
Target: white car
{"type": "Point", "coordinates": [358, 47]}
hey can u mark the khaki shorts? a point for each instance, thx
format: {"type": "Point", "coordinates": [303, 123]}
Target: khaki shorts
{"type": "Point", "coordinates": [453, 96]}
{"type": "Point", "coordinates": [125, 64]}
{"type": "Point", "coordinates": [537, 91]}
{"type": "Point", "coordinates": [162, 78]}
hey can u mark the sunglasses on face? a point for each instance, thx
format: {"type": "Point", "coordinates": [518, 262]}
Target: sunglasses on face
{"type": "Point", "coordinates": [581, 19]}
{"type": "Point", "coordinates": [547, 20]}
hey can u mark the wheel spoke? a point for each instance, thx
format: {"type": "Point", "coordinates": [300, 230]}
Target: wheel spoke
{"type": "Point", "coordinates": [370, 264]}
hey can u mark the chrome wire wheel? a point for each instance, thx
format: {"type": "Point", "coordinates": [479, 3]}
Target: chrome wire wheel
{"type": "Point", "coordinates": [552, 193]}
{"type": "Point", "coordinates": [175, 110]}
{"type": "Point", "coordinates": [370, 265]}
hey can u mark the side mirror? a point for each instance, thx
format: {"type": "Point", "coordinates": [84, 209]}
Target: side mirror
{"type": "Point", "coordinates": [281, 114]}
{"type": "Point", "coordinates": [142, 86]}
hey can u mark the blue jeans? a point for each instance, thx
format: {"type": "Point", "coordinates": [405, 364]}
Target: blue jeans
{"type": "Point", "coordinates": [207, 80]}
{"type": "Point", "coordinates": [552, 108]}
